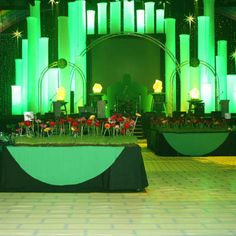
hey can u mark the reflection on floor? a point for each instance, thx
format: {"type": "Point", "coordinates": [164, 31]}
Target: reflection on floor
{"type": "Point", "coordinates": [186, 196]}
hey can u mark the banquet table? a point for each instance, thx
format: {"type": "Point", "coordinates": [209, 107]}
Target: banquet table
{"type": "Point", "coordinates": [72, 168]}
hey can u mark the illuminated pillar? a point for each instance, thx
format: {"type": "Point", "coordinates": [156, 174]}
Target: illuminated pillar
{"type": "Point", "coordinates": [16, 89]}
{"type": "Point", "coordinates": [160, 21]}
{"type": "Point", "coordinates": [90, 22]}
{"type": "Point", "coordinates": [35, 12]}
{"type": "Point", "coordinates": [231, 91]}
{"type": "Point", "coordinates": [185, 72]}
{"type": "Point", "coordinates": [64, 52]}
{"type": "Point", "coordinates": [77, 31]}
{"type": "Point", "coordinates": [209, 10]}
{"type": "Point", "coordinates": [140, 21]}
{"type": "Point", "coordinates": [170, 88]}
{"type": "Point", "coordinates": [16, 100]}
{"type": "Point", "coordinates": [102, 18]}
{"type": "Point", "coordinates": [221, 67]}
{"type": "Point", "coordinates": [43, 63]}
{"type": "Point", "coordinates": [24, 89]}
{"type": "Point", "coordinates": [195, 78]}
{"type": "Point", "coordinates": [33, 47]}
{"type": "Point", "coordinates": [115, 17]}
{"type": "Point", "coordinates": [128, 16]}
{"type": "Point", "coordinates": [206, 77]}
{"type": "Point", "coordinates": [149, 17]}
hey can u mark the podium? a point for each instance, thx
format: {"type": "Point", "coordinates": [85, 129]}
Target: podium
{"type": "Point", "coordinates": [59, 107]}
{"type": "Point", "coordinates": [158, 104]}
{"type": "Point", "coordinates": [196, 107]}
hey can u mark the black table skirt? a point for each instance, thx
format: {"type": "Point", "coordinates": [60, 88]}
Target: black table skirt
{"type": "Point", "coordinates": [158, 144]}
{"type": "Point", "coordinates": [126, 174]}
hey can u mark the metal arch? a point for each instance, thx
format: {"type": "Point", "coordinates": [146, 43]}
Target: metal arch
{"type": "Point", "coordinates": [44, 71]}
{"type": "Point", "coordinates": [206, 64]}
{"type": "Point", "coordinates": [144, 36]}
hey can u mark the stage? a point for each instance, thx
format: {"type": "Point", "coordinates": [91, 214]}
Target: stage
{"type": "Point", "coordinates": [214, 142]}
{"type": "Point", "coordinates": [72, 169]}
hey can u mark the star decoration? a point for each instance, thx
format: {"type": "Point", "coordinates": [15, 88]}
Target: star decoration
{"type": "Point", "coordinates": [190, 20]}
{"type": "Point", "coordinates": [17, 34]}
{"type": "Point", "coordinates": [52, 2]}
{"type": "Point", "coordinates": [233, 55]}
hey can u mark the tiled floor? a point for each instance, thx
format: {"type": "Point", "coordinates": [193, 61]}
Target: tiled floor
{"type": "Point", "coordinates": [186, 196]}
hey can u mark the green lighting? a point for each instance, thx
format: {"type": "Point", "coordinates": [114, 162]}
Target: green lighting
{"type": "Point", "coordinates": [115, 17]}
{"type": "Point", "coordinates": [231, 92]}
{"type": "Point", "coordinates": [64, 52]}
{"type": "Point", "coordinates": [35, 12]}
{"type": "Point", "coordinates": [102, 18]}
{"type": "Point", "coordinates": [140, 21]}
{"type": "Point", "coordinates": [169, 64]}
{"type": "Point", "coordinates": [160, 21]}
{"type": "Point", "coordinates": [24, 89]}
{"type": "Point", "coordinates": [149, 17]}
{"type": "Point", "coordinates": [16, 100]}
{"type": "Point", "coordinates": [90, 22]}
{"type": "Point", "coordinates": [128, 16]}
{"type": "Point", "coordinates": [43, 63]}
{"type": "Point", "coordinates": [221, 67]}
{"type": "Point", "coordinates": [33, 43]}
{"type": "Point", "coordinates": [185, 72]}
{"type": "Point", "coordinates": [206, 77]}
{"type": "Point", "coordinates": [195, 78]}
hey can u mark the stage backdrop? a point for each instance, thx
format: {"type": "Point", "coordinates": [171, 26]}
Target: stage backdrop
{"type": "Point", "coordinates": [127, 68]}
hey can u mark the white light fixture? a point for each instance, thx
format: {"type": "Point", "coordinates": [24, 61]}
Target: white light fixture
{"type": "Point", "coordinates": [97, 88]}
{"type": "Point", "coordinates": [157, 86]}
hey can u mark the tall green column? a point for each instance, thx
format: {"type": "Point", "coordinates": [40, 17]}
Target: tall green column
{"type": "Point", "coordinates": [149, 17]}
{"type": "Point", "coordinates": [43, 63]}
{"type": "Point", "coordinates": [195, 78]}
{"type": "Point", "coordinates": [64, 52]}
{"type": "Point", "coordinates": [33, 47]}
{"type": "Point", "coordinates": [170, 86]}
{"type": "Point", "coordinates": [160, 21]}
{"type": "Point", "coordinates": [209, 10]}
{"type": "Point", "coordinates": [35, 12]}
{"type": "Point", "coordinates": [102, 17]}
{"type": "Point", "coordinates": [90, 21]}
{"type": "Point", "coordinates": [24, 89]}
{"type": "Point", "coordinates": [231, 92]}
{"type": "Point", "coordinates": [140, 20]}
{"type": "Point", "coordinates": [221, 67]}
{"type": "Point", "coordinates": [128, 16]}
{"type": "Point", "coordinates": [17, 88]}
{"type": "Point", "coordinates": [115, 17]}
{"type": "Point", "coordinates": [16, 100]}
{"type": "Point", "coordinates": [206, 77]}
{"type": "Point", "coordinates": [185, 71]}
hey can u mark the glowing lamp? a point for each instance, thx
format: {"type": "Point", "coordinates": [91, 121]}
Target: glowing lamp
{"type": "Point", "coordinates": [61, 94]}
{"type": "Point", "coordinates": [97, 88]}
{"type": "Point", "coordinates": [194, 93]}
{"type": "Point", "coordinates": [157, 86]}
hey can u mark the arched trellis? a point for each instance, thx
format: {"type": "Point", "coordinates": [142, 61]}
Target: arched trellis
{"type": "Point", "coordinates": [185, 63]}
{"type": "Point", "coordinates": [138, 35]}
{"type": "Point", "coordinates": [143, 36]}
{"type": "Point", "coordinates": [57, 64]}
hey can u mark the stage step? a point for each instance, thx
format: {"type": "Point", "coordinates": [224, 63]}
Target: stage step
{"type": "Point", "coordinates": [138, 132]}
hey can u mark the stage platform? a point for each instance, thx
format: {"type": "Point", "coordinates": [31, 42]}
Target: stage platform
{"type": "Point", "coordinates": [72, 168]}
{"type": "Point", "coordinates": [214, 142]}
